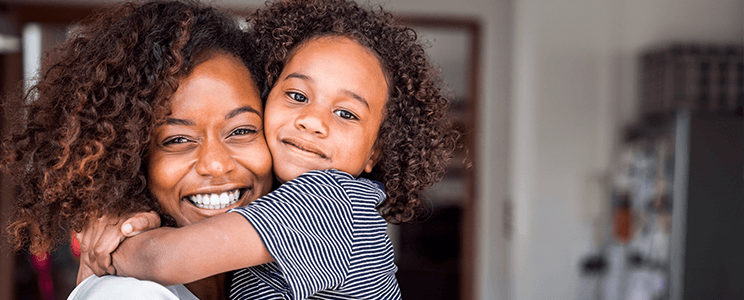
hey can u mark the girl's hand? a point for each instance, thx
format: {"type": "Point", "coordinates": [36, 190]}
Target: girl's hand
{"type": "Point", "coordinates": [103, 236]}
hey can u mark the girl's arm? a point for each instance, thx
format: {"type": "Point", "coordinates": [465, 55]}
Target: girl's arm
{"type": "Point", "coordinates": [181, 255]}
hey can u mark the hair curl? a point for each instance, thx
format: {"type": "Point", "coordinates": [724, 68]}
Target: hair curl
{"type": "Point", "coordinates": [78, 147]}
{"type": "Point", "coordinates": [416, 137]}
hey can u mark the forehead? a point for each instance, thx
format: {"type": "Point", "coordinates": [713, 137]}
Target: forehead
{"type": "Point", "coordinates": [220, 77]}
{"type": "Point", "coordinates": [331, 42]}
{"type": "Point", "coordinates": [339, 60]}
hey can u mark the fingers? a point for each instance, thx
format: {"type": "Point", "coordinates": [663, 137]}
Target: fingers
{"type": "Point", "coordinates": [88, 241]}
{"type": "Point", "coordinates": [96, 240]}
{"type": "Point", "coordinates": [139, 223]}
{"type": "Point", "coordinates": [103, 235]}
{"type": "Point", "coordinates": [107, 242]}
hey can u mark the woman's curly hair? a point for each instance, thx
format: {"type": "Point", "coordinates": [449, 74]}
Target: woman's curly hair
{"type": "Point", "coordinates": [78, 146]}
{"type": "Point", "coordinates": [416, 137]}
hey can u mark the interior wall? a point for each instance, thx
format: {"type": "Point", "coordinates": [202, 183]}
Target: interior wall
{"type": "Point", "coordinates": [560, 137]}
{"type": "Point", "coordinates": [575, 84]}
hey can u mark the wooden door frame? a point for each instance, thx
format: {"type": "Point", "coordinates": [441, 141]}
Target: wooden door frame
{"type": "Point", "coordinates": [468, 228]}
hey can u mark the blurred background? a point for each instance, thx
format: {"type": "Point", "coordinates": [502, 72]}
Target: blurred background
{"type": "Point", "coordinates": [606, 136]}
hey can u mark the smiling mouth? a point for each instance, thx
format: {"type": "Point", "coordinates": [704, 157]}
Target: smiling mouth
{"type": "Point", "coordinates": [216, 201]}
{"type": "Point", "coordinates": [305, 147]}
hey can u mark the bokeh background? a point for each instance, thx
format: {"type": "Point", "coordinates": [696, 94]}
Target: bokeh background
{"type": "Point", "coordinates": [600, 170]}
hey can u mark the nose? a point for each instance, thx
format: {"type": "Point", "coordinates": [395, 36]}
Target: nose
{"type": "Point", "coordinates": [313, 120]}
{"type": "Point", "coordinates": [214, 159]}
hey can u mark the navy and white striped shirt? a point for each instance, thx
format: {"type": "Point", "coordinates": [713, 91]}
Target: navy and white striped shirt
{"type": "Point", "coordinates": [327, 239]}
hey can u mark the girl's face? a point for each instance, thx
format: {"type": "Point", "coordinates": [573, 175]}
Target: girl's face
{"type": "Point", "coordinates": [211, 154]}
{"type": "Point", "coordinates": [326, 109]}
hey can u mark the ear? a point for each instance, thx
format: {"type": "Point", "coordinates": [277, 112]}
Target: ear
{"type": "Point", "coordinates": [374, 157]}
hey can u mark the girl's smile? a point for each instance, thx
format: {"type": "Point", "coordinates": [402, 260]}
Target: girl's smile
{"type": "Point", "coordinates": [304, 147]}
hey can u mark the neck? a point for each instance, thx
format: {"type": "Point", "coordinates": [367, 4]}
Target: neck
{"type": "Point", "coordinates": [209, 288]}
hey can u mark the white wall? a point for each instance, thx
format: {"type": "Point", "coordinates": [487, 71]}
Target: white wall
{"type": "Point", "coordinates": [561, 140]}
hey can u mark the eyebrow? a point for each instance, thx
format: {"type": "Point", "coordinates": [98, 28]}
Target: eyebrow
{"type": "Point", "coordinates": [348, 93]}
{"type": "Point", "coordinates": [182, 122]}
{"type": "Point", "coordinates": [230, 115]}
{"type": "Point", "coordinates": [240, 110]}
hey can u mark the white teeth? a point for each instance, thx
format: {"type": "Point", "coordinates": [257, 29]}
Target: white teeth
{"type": "Point", "coordinates": [215, 201]}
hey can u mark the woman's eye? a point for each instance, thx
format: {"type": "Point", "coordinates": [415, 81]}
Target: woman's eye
{"type": "Point", "coordinates": [243, 131]}
{"type": "Point", "coordinates": [297, 97]}
{"type": "Point", "coordinates": [175, 140]}
{"type": "Point", "coordinates": [345, 114]}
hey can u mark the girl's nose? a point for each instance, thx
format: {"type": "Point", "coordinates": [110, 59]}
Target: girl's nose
{"type": "Point", "coordinates": [314, 120]}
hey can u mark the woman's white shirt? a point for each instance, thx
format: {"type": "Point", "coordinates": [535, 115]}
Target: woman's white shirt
{"type": "Point", "coordinates": [124, 288]}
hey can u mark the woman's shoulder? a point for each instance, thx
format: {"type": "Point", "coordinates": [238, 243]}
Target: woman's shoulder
{"type": "Point", "coordinates": [120, 288]}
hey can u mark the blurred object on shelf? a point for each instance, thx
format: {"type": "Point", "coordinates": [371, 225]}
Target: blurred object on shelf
{"type": "Point", "coordinates": [678, 181]}
{"type": "Point", "coordinates": [696, 77]}
{"type": "Point", "coordinates": [622, 219]}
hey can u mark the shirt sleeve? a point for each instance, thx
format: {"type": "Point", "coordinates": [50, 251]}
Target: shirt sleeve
{"type": "Point", "coordinates": [119, 288]}
{"type": "Point", "coordinates": [307, 227]}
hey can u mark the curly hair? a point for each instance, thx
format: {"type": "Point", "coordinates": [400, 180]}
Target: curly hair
{"type": "Point", "coordinates": [77, 149]}
{"type": "Point", "coordinates": [416, 136]}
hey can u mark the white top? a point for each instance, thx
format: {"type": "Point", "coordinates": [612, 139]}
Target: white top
{"type": "Point", "coordinates": [125, 288]}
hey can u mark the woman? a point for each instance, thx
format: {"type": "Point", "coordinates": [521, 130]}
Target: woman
{"type": "Point", "coordinates": [145, 107]}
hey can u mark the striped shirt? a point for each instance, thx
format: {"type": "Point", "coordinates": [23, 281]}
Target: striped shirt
{"type": "Point", "coordinates": [327, 239]}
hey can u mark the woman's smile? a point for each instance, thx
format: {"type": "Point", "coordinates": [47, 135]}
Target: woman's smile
{"type": "Point", "coordinates": [216, 200]}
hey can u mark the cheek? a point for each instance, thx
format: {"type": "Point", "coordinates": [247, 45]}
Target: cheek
{"type": "Point", "coordinates": [257, 160]}
{"type": "Point", "coordinates": [163, 177]}
{"type": "Point", "coordinates": [369, 137]}
{"type": "Point", "coordinates": [274, 117]}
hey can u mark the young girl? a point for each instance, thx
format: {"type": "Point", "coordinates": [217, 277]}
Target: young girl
{"type": "Point", "coordinates": [352, 94]}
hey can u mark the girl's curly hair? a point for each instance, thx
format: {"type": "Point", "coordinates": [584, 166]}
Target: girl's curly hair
{"type": "Point", "coordinates": [78, 145]}
{"type": "Point", "coordinates": [416, 137]}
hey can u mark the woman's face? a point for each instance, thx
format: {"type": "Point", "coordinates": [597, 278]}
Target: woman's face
{"type": "Point", "coordinates": [211, 149]}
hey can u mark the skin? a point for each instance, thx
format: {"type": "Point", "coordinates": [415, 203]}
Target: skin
{"type": "Point", "coordinates": [212, 143]}
{"type": "Point", "coordinates": [326, 109]}
{"type": "Point", "coordinates": [324, 113]}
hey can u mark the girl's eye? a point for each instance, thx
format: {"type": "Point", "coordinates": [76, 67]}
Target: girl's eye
{"type": "Point", "coordinates": [176, 140]}
{"type": "Point", "coordinates": [297, 97]}
{"type": "Point", "coordinates": [243, 131]}
{"type": "Point", "coordinates": [345, 114]}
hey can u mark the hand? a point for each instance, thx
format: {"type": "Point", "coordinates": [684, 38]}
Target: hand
{"type": "Point", "coordinates": [103, 235]}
